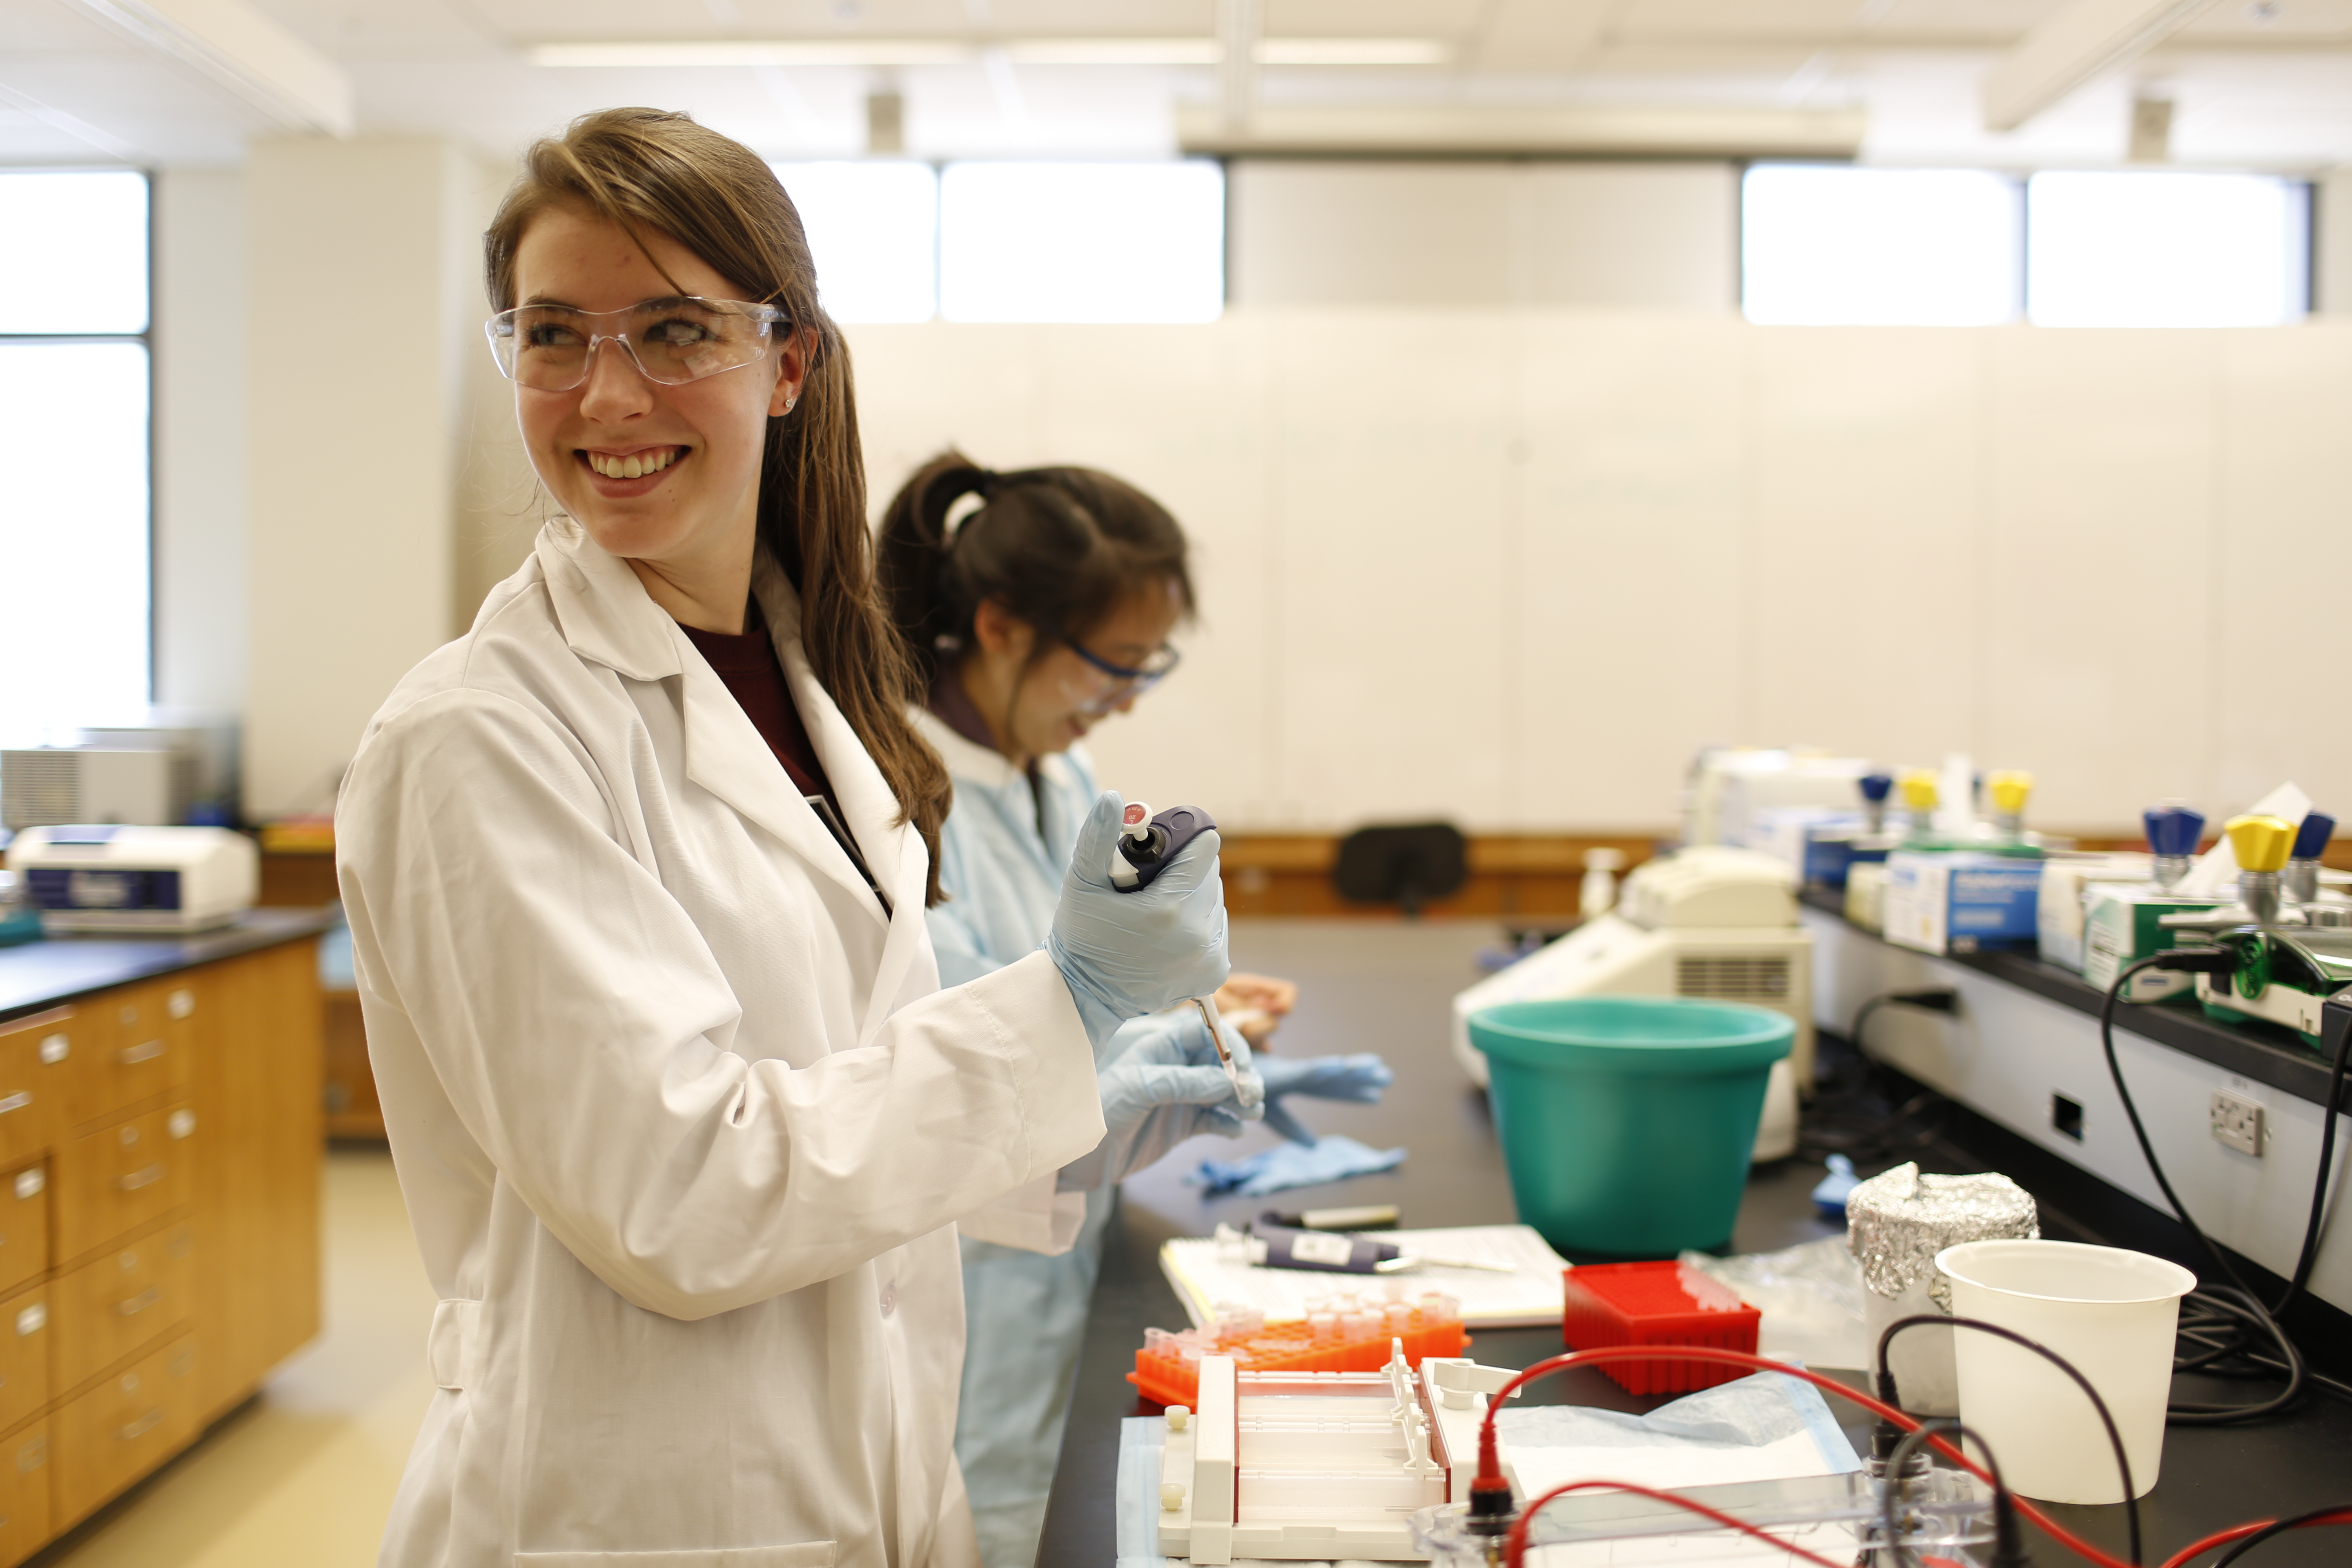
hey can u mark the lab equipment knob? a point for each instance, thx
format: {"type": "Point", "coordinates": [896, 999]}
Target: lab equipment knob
{"type": "Point", "coordinates": [2311, 838]}
{"type": "Point", "coordinates": [2173, 830]}
{"type": "Point", "coordinates": [1877, 787]}
{"type": "Point", "coordinates": [1919, 790]}
{"type": "Point", "coordinates": [2261, 842]}
{"type": "Point", "coordinates": [2008, 787]}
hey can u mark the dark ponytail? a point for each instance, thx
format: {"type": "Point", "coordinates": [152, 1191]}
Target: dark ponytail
{"type": "Point", "coordinates": [1058, 547]}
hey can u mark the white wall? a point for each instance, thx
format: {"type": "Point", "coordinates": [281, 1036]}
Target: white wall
{"type": "Point", "coordinates": [354, 463]}
{"type": "Point", "coordinates": [1512, 565]}
{"type": "Point", "coordinates": [1655, 236]}
{"type": "Point", "coordinates": [200, 440]}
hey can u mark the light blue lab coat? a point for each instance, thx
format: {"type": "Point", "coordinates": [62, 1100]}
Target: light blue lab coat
{"type": "Point", "coordinates": [1025, 1313]}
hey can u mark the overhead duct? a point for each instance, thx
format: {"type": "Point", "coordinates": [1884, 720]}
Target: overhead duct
{"type": "Point", "coordinates": [240, 50]}
{"type": "Point", "coordinates": [2071, 46]}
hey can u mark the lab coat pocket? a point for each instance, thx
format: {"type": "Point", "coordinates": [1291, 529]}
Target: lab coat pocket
{"type": "Point", "coordinates": [806, 1554]}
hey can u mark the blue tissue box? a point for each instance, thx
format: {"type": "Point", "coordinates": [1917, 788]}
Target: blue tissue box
{"type": "Point", "coordinates": [1958, 901]}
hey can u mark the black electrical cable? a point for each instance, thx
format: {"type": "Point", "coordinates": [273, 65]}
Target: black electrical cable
{"type": "Point", "coordinates": [2008, 1546]}
{"type": "Point", "coordinates": [2240, 1548]}
{"type": "Point", "coordinates": [1888, 1394]}
{"type": "Point", "coordinates": [1877, 1134]}
{"type": "Point", "coordinates": [2211, 1302]}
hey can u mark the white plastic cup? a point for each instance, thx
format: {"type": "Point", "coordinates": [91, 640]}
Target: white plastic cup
{"type": "Point", "coordinates": [2112, 1314]}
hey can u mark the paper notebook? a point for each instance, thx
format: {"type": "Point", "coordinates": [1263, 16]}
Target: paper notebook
{"type": "Point", "coordinates": [1528, 1295]}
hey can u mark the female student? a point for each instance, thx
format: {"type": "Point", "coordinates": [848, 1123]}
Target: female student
{"type": "Point", "coordinates": [1041, 603]}
{"type": "Point", "coordinates": [683, 1121]}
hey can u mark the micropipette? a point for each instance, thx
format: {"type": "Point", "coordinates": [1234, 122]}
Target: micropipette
{"type": "Point", "coordinates": [1149, 845]}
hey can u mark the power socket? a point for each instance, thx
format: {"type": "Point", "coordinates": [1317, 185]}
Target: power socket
{"type": "Point", "coordinates": [2237, 1121]}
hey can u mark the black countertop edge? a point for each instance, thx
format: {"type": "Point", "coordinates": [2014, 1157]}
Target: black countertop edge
{"type": "Point", "coordinates": [2266, 1053]}
{"type": "Point", "coordinates": [57, 969]}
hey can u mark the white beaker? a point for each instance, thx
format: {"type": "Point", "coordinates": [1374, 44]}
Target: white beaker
{"type": "Point", "coordinates": [2111, 1313]}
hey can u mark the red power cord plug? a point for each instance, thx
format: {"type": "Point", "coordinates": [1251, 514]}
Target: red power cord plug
{"type": "Point", "coordinates": [1490, 1468]}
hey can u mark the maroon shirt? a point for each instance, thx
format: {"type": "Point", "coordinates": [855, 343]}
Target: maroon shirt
{"type": "Point", "coordinates": [748, 664]}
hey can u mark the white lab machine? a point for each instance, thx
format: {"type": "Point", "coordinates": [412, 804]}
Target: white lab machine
{"type": "Point", "coordinates": [111, 878]}
{"type": "Point", "coordinates": [1710, 922]}
{"type": "Point", "coordinates": [1732, 787]}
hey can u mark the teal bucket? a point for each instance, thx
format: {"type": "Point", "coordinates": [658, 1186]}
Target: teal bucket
{"type": "Point", "coordinates": [1627, 1121]}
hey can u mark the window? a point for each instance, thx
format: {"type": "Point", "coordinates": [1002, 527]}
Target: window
{"type": "Point", "coordinates": [1082, 242]}
{"type": "Point", "coordinates": [2154, 249]}
{"type": "Point", "coordinates": [873, 229]}
{"type": "Point", "coordinates": [74, 392]}
{"type": "Point", "coordinates": [1830, 245]}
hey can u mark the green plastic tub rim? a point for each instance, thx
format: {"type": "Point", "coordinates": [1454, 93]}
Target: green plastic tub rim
{"type": "Point", "coordinates": [1650, 1035]}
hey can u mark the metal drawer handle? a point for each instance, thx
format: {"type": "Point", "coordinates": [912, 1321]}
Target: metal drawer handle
{"type": "Point", "coordinates": [146, 1178]}
{"type": "Point", "coordinates": [144, 1425]}
{"type": "Point", "coordinates": [131, 1055]}
{"type": "Point", "coordinates": [141, 1302]}
{"type": "Point", "coordinates": [16, 1101]}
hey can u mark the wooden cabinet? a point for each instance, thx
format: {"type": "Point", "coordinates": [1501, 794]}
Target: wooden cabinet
{"type": "Point", "coordinates": [159, 1222]}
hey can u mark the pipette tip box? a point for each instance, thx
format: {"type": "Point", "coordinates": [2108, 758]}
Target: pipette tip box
{"type": "Point", "coordinates": [1661, 1304]}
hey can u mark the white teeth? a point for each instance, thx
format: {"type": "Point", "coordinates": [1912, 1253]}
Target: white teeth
{"type": "Point", "coordinates": [645, 463]}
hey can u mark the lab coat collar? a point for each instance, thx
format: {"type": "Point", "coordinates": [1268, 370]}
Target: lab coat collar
{"type": "Point", "coordinates": [984, 767]}
{"type": "Point", "coordinates": [608, 617]}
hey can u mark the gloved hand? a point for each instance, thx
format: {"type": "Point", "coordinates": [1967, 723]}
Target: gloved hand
{"type": "Point", "coordinates": [1162, 1085]}
{"type": "Point", "coordinates": [1359, 1077]}
{"type": "Point", "coordinates": [1127, 954]}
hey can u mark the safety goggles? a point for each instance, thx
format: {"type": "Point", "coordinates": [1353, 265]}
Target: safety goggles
{"type": "Point", "coordinates": [671, 341]}
{"type": "Point", "coordinates": [1107, 685]}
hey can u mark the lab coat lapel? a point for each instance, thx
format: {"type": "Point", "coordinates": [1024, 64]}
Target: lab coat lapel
{"type": "Point", "coordinates": [893, 849]}
{"type": "Point", "coordinates": [607, 616]}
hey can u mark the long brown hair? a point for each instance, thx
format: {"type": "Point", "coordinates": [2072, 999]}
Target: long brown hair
{"type": "Point", "coordinates": [642, 169]}
{"type": "Point", "coordinates": [1059, 547]}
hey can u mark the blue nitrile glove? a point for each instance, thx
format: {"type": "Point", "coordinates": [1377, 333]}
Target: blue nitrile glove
{"type": "Point", "coordinates": [1127, 954]}
{"type": "Point", "coordinates": [1163, 1085]}
{"type": "Point", "coordinates": [1359, 1077]}
{"type": "Point", "coordinates": [1329, 1159]}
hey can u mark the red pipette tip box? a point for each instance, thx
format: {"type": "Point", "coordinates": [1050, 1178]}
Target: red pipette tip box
{"type": "Point", "coordinates": [1657, 1304]}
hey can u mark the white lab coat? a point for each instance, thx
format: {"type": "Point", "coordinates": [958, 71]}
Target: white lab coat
{"type": "Point", "coordinates": [682, 1120]}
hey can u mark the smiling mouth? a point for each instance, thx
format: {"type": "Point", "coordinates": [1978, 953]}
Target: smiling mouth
{"type": "Point", "coordinates": [635, 464]}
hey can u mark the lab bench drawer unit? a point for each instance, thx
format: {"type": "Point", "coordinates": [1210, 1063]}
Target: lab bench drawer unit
{"type": "Point", "coordinates": [159, 1223]}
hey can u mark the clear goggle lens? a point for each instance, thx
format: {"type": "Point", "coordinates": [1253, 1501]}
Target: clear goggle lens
{"type": "Point", "coordinates": [1100, 686]}
{"type": "Point", "coordinates": [548, 347]}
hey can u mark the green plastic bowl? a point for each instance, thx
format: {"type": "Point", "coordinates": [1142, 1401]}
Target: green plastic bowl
{"type": "Point", "coordinates": [1628, 1121]}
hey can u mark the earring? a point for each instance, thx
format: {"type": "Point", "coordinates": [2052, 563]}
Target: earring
{"type": "Point", "coordinates": [789, 402]}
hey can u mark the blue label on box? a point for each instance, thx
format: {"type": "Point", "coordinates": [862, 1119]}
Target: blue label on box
{"type": "Point", "coordinates": [1998, 902]}
{"type": "Point", "coordinates": [60, 888]}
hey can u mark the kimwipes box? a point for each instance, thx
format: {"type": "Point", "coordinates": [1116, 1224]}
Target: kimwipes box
{"type": "Point", "coordinates": [1958, 901]}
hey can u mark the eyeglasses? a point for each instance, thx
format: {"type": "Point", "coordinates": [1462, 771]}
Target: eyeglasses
{"type": "Point", "coordinates": [1116, 683]}
{"type": "Point", "coordinates": [671, 341]}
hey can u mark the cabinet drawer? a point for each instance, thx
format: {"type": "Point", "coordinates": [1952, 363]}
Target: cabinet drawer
{"type": "Point", "coordinates": [23, 1491]}
{"type": "Point", "coordinates": [123, 1428]}
{"type": "Point", "coordinates": [140, 1048]}
{"type": "Point", "coordinates": [24, 1226]}
{"type": "Point", "coordinates": [26, 1328]}
{"type": "Point", "coordinates": [35, 1060]}
{"type": "Point", "coordinates": [119, 1300]}
{"type": "Point", "coordinates": [114, 1179]}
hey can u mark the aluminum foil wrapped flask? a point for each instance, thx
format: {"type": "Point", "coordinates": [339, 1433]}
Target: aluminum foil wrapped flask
{"type": "Point", "coordinates": [1896, 1224]}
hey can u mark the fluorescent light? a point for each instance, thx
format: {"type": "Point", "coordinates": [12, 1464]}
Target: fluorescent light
{"type": "Point", "coordinates": [668, 54]}
{"type": "Point", "coordinates": [1112, 51]}
{"type": "Point", "coordinates": [1350, 52]}
{"type": "Point", "coordinates": [755, 52]}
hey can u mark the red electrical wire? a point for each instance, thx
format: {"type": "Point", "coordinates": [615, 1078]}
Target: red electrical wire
{"type": "Point", "coordinates": [1490, 1466]}
{"type": "Point", "coordinates": [1516, 1544]}
{"type": "Point", "coordinates": [2239, 1533]}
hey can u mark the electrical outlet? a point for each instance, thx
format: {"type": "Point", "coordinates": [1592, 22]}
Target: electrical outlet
{"type": "Point", "coordinates": [2237, 1121]}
